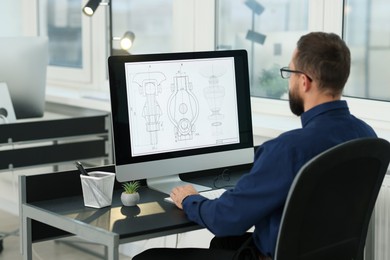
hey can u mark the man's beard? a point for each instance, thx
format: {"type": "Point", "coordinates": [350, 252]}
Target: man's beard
{"type": "Point", "coordinates": [296, 103]}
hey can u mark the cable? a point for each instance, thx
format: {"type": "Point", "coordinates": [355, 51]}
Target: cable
{"type": "Point", "coordinates": [177, 240]}
{"type": "Point", "coordinates": [223, 177]}
{"type": "Point", "coordinates": [4, 119]}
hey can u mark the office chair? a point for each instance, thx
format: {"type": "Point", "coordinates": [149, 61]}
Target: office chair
{"type": "Point", "coordinates": [330, 202]}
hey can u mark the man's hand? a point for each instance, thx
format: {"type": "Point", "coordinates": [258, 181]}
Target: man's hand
{"type": "Point", "coordinates": [178, 194]}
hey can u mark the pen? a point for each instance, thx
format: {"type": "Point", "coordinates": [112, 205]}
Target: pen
{"type": "Point", "coordinates": [81, 168]}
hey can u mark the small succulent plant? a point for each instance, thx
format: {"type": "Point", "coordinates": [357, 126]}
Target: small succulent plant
{"type": "Point", "coordinates": [131, 187]}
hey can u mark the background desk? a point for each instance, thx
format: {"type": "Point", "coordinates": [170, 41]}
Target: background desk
{"type": "Point", "coordinates": [52, 206]}
{"type": "Point", "coordinates": [63, 134]}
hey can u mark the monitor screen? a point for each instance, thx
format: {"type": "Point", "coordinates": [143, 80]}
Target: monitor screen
{"type": "Point", "coordinates": [176, 113]}
{"type": "Point", "coordinates": [23, 64]}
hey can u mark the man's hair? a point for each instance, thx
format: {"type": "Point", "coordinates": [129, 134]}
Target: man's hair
{"type": "Point", "coordinates": [326, 58]}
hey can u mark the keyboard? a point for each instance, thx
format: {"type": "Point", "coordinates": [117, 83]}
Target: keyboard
{"type": "Point", "coordinates": [210, 194]}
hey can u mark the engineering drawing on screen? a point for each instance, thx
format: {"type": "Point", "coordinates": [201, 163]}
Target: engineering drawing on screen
{"type": "Point", "coordinates": [176, 105]}
{"type": "Point", "coordinates": [214, 94]}
{"type": "Point", "coordinates": [183, 107]}
{"type": "Point", "coordinates": [149, 86]}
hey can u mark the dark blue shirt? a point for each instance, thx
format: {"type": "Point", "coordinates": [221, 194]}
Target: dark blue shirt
{"type": "Point", "coordinates": [259, 196]}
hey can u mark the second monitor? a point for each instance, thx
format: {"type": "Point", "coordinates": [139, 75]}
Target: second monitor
{"type": "Point", "coordinates": [176, 113]}
{"type": "Point", "coordinates": [23, 66]}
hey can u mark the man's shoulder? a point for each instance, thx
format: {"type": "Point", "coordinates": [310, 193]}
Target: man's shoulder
{"type": "Point", "coordinates": [290, 138]}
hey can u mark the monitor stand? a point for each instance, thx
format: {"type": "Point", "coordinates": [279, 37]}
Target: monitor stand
{"type": "Point", "coordinates": [167, 183]}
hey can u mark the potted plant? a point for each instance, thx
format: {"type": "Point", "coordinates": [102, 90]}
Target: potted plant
{"type": "Point", "coordinates": [130, 195]}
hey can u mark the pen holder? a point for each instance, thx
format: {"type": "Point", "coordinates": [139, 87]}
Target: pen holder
{"type": "Point", "coordinates": [97, 188]}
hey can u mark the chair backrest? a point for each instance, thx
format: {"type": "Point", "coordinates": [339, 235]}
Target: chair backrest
{"type": "Point", "coordinates": [330, 202]}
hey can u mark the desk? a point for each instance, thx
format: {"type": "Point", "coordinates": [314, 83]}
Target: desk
{"type": "Point", "coordinates": [63, 134]}
{"type": "Point", "coordinates": [52, 206]}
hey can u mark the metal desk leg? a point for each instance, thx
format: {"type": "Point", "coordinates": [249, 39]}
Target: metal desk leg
{"type": "Point", "coordinates": [26, 241]}
{"type": "Point", "coordinates": [113, 249]}
{"type": "Point", "coordinates": [25, 223]}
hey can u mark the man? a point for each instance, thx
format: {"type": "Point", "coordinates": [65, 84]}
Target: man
{"type": "Point", "coordinates": [317, 73]}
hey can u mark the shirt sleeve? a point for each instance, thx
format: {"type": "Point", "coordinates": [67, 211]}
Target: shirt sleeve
{"type": "Point", "coordinates": [256, 196]}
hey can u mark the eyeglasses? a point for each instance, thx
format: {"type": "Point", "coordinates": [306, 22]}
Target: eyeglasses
{"type": "Point", "coordinates": [285, 72]}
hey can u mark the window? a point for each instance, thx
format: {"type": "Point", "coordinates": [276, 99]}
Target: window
{"type": "Point", "coordinates": [367, 31]}
{"type": "Point", "coordinates": [150, 22]}
{"type": "Point", "coordinates": [268, 30]}
{"type": "Point", "coordinates": [64, 31]}
{"type": "Point", "coordinates": [69, 40]}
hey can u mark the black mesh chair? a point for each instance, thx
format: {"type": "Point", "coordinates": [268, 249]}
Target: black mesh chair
{"type": "Point", "coordinates": [331, 200]}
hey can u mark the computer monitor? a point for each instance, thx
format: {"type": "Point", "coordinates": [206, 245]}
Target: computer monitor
{"type": "Point", "coordinates": [176, 113]}
{"type": "Point", "coordinates": [23, 64]}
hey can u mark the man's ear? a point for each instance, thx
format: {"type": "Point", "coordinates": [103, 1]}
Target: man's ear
{"type": "Point", "coordinates": [306, 83]}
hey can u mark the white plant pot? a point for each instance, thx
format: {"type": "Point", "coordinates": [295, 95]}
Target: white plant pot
{"type": "Point", "coordinates": [129, 199]}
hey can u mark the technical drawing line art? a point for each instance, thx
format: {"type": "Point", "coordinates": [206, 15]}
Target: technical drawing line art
{"type": "Point", "coordinates": [214, 92]}
{"type": "Point", "coordinates": [149, 86]}
{"type": "Point", "coordinates": [183, 107]}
